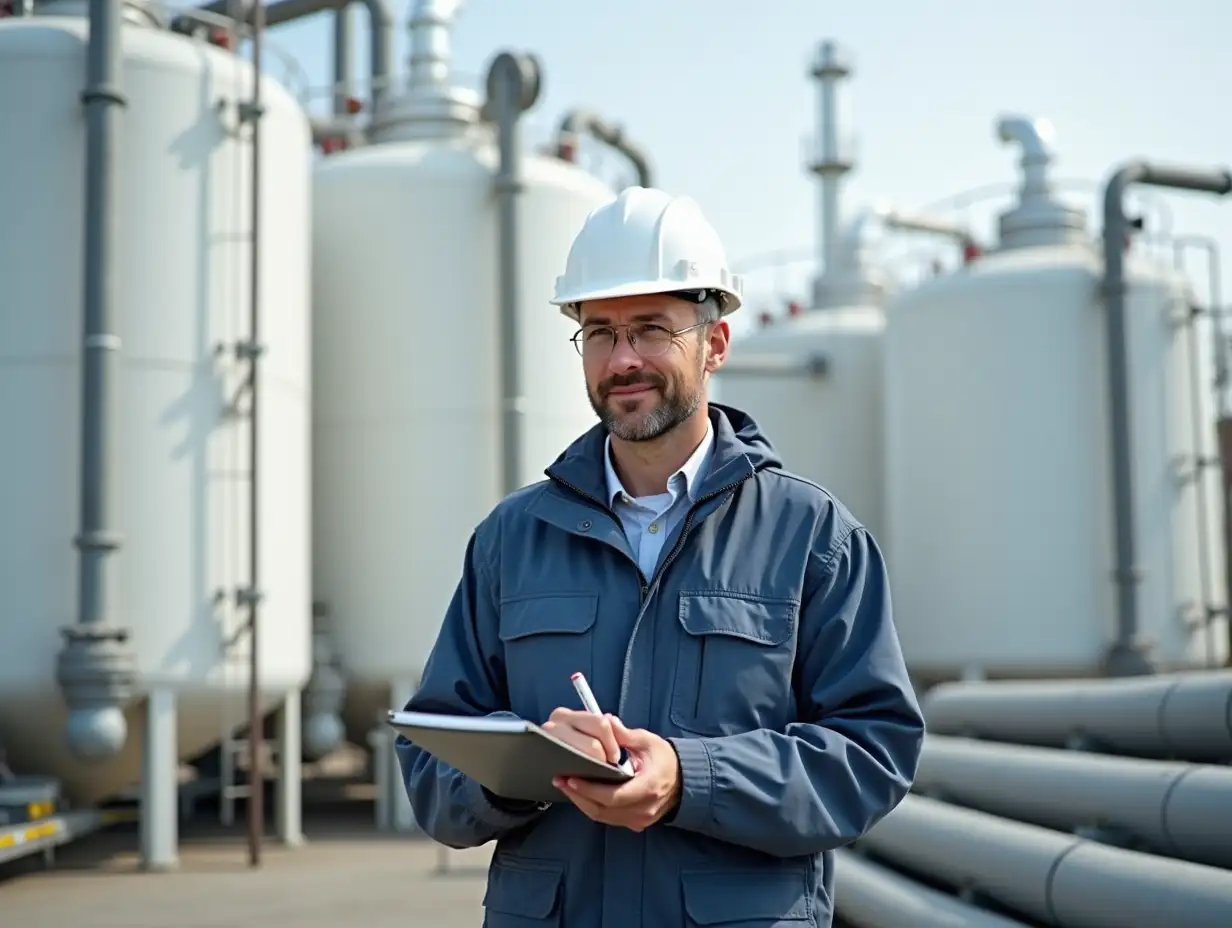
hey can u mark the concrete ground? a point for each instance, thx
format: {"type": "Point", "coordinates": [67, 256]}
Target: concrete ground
{"type": "Point", "coordinates": [346, 874]}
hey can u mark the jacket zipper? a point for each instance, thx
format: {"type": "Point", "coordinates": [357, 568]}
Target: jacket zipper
{"type": "Point", "coordinates": [647, 589]}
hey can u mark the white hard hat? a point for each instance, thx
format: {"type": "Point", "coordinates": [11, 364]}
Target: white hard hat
{"type": "Point", "coordinates": [646, 241]}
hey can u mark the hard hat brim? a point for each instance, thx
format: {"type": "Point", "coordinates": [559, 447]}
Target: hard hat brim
{"type": "Point", "coordinates": [569, 302]}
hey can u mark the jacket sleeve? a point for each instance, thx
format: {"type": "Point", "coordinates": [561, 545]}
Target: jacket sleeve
{"type": "Point", "coordinates": [464, 675]}
{"type": "Point", "coordinates": [851, 758]}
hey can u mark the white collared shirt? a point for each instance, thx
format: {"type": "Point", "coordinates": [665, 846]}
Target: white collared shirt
{"type": "Point", "coordinates": [649, 520]}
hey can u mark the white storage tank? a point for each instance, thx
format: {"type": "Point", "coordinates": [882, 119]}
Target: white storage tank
{"type": "Point", "coordinates": [999, 471]}
{"type": "Point", "coordinates": [406, 390]}
{"type": "Point", "coordinates": [181, 305]}
{"type": "Point", "coordinates": [813, 382]}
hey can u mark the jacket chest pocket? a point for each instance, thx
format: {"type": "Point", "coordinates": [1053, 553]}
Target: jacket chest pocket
{"type": "Point", "coordinates": [734, 663]}
{"type": "Point", "coordinates": [546, 638]}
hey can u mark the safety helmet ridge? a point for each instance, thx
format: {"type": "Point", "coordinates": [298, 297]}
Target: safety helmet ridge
{"type": "Point", "coordinates": [645, 241]}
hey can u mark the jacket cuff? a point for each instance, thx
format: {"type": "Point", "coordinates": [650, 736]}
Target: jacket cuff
{"type": "Point", "coordinates": [499, 812]}
{"type": "Point", "coordinates": [696, 783]}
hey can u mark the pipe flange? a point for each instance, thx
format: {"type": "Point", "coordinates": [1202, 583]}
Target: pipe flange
{"type": "Point", "coordinates": [97, 673]}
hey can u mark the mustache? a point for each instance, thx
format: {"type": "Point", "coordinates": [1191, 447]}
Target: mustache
{"type": "Point", "coordinates": [629, 380]}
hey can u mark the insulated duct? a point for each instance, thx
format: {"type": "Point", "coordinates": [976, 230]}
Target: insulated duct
{"type": "Point", "coordinates": [868, 895]}
{"type": "Point", "coordinates": [1187, 716]}
{"type": "Point", "coordinates": [1159, 806]}
{"type": "Point", "coordinates": [1056, 878]}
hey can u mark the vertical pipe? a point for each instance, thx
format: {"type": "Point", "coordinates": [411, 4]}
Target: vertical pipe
{"type": "Point", "coordinates": [1126, 655]}
{"type": "Point", "coordinates": [95, 668]}
{"type": "Point", "coordinates": [829, 179]}
{"type": "Point", "coordinates": [512, 86]}
{"type": "Point", "coordinates": [102, 345]}
{"type": "Point", "coordinates": [256, 732]}
{"type": "Point", "coordinates": [381, 53]}
{"type": "Point", "coordinates": [829, 161]}
{"type": "Point", "coordinates": [344, 76]}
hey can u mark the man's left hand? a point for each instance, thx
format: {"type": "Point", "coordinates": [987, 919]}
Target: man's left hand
{"type": "Point", "coordinates": [638, 803]}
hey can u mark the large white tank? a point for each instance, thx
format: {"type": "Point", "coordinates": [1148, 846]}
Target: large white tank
{"type": "Point", "coordinates": [406, 394]}
{"type": "Point", "coordinates": [181, 306]}
{"type": "Point", "coordinates": [813, 382]}
{"type": "Point", "coordinates": [997, 443]}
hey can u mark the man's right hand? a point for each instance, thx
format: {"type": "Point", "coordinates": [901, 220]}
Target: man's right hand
{"type": "Point", "coordinates": [590, 734]}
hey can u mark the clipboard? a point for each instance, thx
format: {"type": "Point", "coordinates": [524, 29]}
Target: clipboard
{"type": "Point", "coordinates": [513, 758]}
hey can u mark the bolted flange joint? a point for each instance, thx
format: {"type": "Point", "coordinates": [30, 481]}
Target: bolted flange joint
{"type": "Point", "coordinates": [325, 694]}
{"type": "Point", "coordinates": [97, 673]}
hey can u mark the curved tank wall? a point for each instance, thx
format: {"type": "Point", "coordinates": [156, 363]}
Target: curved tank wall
{"type": "Point", "coordinates": [181, 305]}
{"type": "Point", "coordinates": [999, 487]}
{"type": "Point", "coordinates": [406, 392]}
{"type": "Point", "coordinates": [826, 428]}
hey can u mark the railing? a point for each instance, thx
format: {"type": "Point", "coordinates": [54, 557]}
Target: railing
{"type": "Point", "coordinates": [774, 276]}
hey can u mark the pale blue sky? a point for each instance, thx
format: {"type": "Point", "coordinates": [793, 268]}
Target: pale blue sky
{"type": "Point", "coordinates": [718, 91]}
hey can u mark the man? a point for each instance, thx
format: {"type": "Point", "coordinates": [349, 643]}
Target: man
{"type": "Point", "coordinates": [732, 618]}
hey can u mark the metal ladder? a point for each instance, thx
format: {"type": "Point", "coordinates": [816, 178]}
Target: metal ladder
{"type": "Point", "coordinates": [235, 745]}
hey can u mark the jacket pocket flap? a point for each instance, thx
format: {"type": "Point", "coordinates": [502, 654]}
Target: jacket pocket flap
{"type": "Point", "coordinates": [763, 621]}
{"type": "Point", "coordinates": [530, 889]}
{"type": "Point", "coordinates": [548, 614]}
{"type": "Point", "coordinates": [716, 897]}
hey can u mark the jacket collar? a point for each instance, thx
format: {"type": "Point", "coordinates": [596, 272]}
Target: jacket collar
{"type": "Point", "coordinates": [580, 467]}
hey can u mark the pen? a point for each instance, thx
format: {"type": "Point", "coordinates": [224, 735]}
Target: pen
{"type": "Point", "coordinates": [592, 706]}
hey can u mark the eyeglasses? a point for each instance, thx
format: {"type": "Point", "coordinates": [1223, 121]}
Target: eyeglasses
{"type": "Point", "coordinates": [648, 339]}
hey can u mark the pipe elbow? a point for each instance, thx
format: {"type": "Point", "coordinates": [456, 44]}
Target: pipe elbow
{"type": "Point", "coordinates": [1035, 136]}
{"type": "Point", "coordinates": [381, 13]}
{"type": "Point", "coordinates": [515, 75]}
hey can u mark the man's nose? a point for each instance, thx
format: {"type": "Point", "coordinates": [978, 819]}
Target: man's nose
{"type": "Point", "coordinates": [624, 358]}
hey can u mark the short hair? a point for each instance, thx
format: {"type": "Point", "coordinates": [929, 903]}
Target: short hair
{"type": "Point", "coordinates": [709, 311]}
{"type": "Point", "coordinates": [707, 303]}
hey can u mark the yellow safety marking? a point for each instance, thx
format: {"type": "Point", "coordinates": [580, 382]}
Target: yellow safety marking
{"type": "Point", "coordinates": [43, 830]}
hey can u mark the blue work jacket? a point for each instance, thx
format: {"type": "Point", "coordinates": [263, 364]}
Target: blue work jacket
{"type": "Point", "coordinates": [763, 649]}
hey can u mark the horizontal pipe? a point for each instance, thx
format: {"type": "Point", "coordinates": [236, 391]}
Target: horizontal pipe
{"type": "Point", "coordinates": [1163, 806]}
{"type": "Point", "coordinates": [1042, 874]}
{"type": "Point", "coordinates": [772, 365]}
{"type": "Point", "coordinates": [928, 224]}
{"type": "Point", "coordinates": [324, 128]}
{"type": "Point", "coordinates": [1185, 715]}
{"type": "Point", "coordinates": [869, 895]}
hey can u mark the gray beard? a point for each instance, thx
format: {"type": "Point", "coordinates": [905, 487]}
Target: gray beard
{"type": "Point", "coordinates": [675, 409]}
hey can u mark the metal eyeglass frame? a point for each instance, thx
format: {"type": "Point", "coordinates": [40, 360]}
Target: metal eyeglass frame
{"type": "Point", "coordinates": [627, 326]}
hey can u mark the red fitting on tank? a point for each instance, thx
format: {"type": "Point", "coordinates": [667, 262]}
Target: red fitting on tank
{"type": "Point", "coordinates": [765, 317]}
{"type": "Point", "coordinates": [354, 105]}
{"type": "Point", "coordinates": [793, 308]}
{"type": "Point", "coordinates": [971, 251]}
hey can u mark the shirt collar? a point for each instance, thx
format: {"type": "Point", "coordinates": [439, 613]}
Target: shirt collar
{"type": "Point", "coordinates": [690, 472]}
